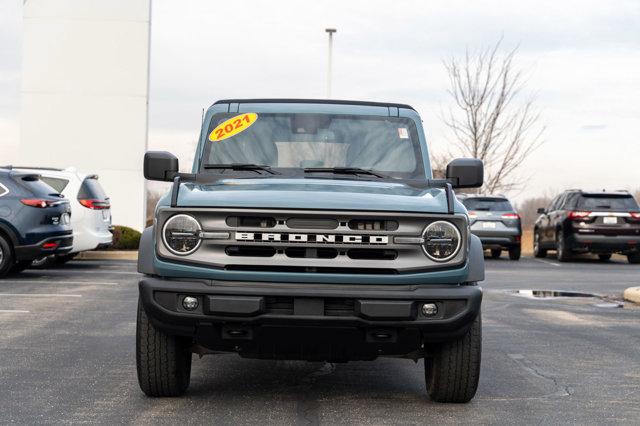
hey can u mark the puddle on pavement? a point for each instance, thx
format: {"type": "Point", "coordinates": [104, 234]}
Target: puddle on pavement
{"type": "Point", "coordinates": [603, 301]}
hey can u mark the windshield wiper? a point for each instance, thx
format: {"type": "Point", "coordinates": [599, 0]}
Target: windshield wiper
{"type": "Point", "coordinates": [240, 166]}
{"type": "Point", "coordinates": [345, 171]}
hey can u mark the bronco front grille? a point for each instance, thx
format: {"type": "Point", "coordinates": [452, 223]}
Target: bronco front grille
{"type": "Point", "coordinates": [311, 241]}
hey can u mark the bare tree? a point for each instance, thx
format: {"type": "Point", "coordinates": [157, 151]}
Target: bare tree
{"type": "Point", "coordinates": [489, 120]}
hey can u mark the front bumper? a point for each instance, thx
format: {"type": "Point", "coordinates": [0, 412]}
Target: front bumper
{"type": "Point", "coordinates": [64, 244]}
{"type": "Point", "coordinates": [310, 321]}
{"type": "Point", "coordinates": [603, 243]}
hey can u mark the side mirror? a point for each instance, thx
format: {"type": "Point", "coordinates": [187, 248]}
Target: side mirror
{"type": "Point", "coordinates": [466, 173]}
{"type": "Point", "coordinates": [160, 165]}
{"type": "Point", "coordinates": [541, 210]}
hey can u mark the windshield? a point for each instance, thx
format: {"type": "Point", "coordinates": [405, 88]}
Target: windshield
{"type": "Point", "coordinates": [290, 142]}
{"type": "Point", "coordinates": [487, 204]}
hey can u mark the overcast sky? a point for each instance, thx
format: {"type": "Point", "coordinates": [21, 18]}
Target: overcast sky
{"type": "Point", "coordinates": [582, 58]}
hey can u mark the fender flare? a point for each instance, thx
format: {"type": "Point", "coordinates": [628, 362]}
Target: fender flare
{"type": "Point", "coordinates": [476, 260]}
{"type": "Point", "coordinates": [146, 252]}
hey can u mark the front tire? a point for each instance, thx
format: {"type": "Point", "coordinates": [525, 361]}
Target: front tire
{"type": "Point", "coordinates": [537, 251]}
{"type": "Point", "coordinates": [495, 253]}
{"type": "Point", "coordinates": [604, 257]}
{"type": "Point", "coordinates": [163, 361]}
{"type": "Point", "coordinates": [453, 371]}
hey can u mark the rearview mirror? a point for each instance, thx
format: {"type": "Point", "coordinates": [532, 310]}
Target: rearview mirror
{"type": "Point", "coordinates": [160, 165]}
{"type": "Point", "coordinates": [541, 210]}
{"type": "Point", "coordinates": [466, 173]}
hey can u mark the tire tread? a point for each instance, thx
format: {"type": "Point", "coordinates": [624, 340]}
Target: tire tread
{"type": "Point", "coordinates": [163, 361]}
{"type": "Point", "coordinates": [453, 372]}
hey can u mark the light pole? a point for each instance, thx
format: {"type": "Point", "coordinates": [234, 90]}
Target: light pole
{"type": "Point", "coordinates": [330, 31]}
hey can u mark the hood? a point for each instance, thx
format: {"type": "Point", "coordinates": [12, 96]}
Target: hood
{"type": "Point", "coordinates": [322, 194]}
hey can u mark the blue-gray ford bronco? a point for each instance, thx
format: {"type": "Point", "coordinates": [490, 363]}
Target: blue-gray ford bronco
{"type": "Point", "coordinates": [311, 230]}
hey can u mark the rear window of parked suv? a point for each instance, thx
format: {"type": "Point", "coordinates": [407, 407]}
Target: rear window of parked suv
{"type": "Point", "coordinates": [91, 190]}
{"type": "Point", "coordinates": [607, 202]}
{"type": "Point", "coordinates": [487, 204]}
{"type": "Point", "coordinates": [36, 186]}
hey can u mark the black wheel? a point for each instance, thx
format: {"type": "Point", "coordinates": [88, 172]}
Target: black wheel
{"type": "Point", "coordinates": [604, 257]}
{"type": "Point", "coordinates": [514, 252]}
{"type": "Point", "coordinates": [633, 258]}
{"type": "Point", "coordinates": [64, 258]}
{"type": "Point", "coordinates": [452, 372]}
{"type": "Point", "coordinates": [537, 251]}
{"type": "Point", "coordinates": [20, 266]}
{"type": "Point", "coordinates": [43, 262]}
{"type": "Point", "coordinates": [495, 253]}
{"type": "Point", "coordinates": [163, 361]}
{"type": "Point", "coordinates": [6, 256]}
{"type": "Point", "coordinates": [562, 254]}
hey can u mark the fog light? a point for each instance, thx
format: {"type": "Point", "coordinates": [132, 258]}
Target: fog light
{"type": "Point", "coordinates": [429, 309]}
{"type": "Point", "coordinates": [190, 303]}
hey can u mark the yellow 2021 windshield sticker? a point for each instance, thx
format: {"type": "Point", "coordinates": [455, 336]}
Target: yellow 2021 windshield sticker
{"type": "Point", "coordinates": [233, 126]}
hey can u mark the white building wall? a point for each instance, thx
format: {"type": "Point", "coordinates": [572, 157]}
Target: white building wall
{"type": "Point", "coordinates": [84, 96]}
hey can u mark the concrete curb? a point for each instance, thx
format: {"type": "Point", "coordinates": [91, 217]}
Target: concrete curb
{"type": "Point", "coordinates": [108, 255]}
{"type": "Point", "coordinates": [632, 294]}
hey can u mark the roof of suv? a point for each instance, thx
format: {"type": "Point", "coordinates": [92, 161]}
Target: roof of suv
{"type": "Point", "coordinates": [51, 171]}
{"type": "Point", "coordinates": [311, 101]}
{"type": "Point", "coordinates": [623, 193]}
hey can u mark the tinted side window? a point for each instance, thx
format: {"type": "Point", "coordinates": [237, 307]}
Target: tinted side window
{"type": "Point", "coordinates": [562, 202]}
{"type": "Point", "coordinates": [56, 183]}
{"type": "Point", "coordinates": [91, 190]}
{"type": "Point", "coordinates": [554, 204]}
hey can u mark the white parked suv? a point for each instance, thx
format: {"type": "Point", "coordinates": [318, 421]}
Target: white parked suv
{"type": "Point", "coordinates": [90, 209]}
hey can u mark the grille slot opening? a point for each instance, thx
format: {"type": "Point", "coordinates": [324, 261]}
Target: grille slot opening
{"type": "Point", "coordinates": [311, 253]}
{"type": "Point", "coordinates": [372, 254]}
{"type": "Point", "coordinates": [373, 225]}
{"type": "Point", "coordinates": [251, 222]}
{"type": "Point", "coordinates": [311, 223]}
{"type": "Point", "coordinates": [339, 307]}
{"type": "Point", "coordinates": [250, 251]}
{"type": "Point", "coordinates": [279, 305]}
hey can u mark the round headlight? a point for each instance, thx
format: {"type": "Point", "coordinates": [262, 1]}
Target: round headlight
{"type": "Point", "coordinates": [441, 241]}
{"type": "Point", "coordinates": [180, 234]}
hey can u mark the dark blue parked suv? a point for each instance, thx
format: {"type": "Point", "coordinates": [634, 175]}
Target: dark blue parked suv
{"type": "Point", "coordinates": [34, 220]}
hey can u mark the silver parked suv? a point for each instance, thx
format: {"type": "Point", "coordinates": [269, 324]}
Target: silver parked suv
{"type": "Point", "coordinates": [495, 222]}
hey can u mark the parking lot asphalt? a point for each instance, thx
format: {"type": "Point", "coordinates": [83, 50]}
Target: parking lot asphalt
{"type": "Point", "coordinates": [67, 355]}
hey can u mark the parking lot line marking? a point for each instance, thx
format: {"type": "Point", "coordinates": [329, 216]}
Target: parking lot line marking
{"type": "Point", "coordinates": [62, 282]}
{"type": "Point", "coordinates": [13, 311]}
{"type": "Point", "coordinates": [548, 262]}
{"type": "Point", "coordinates": [39, 295]}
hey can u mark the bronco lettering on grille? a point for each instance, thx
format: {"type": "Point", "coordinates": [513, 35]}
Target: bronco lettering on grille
{"type": "Point", "coordinates": [312, 238]}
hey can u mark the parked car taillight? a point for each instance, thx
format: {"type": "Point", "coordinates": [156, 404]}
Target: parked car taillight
{"type": "Point", "coordinates": [511, 216]}
{"type": "Point", "coordinates": [39, 203]}
{"type": "Point", "coordinates": [95, 204]}
{"type": "Point", "coordinates": [578, 215]}
{"type": "Point", "coordinates": [635, 216]}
